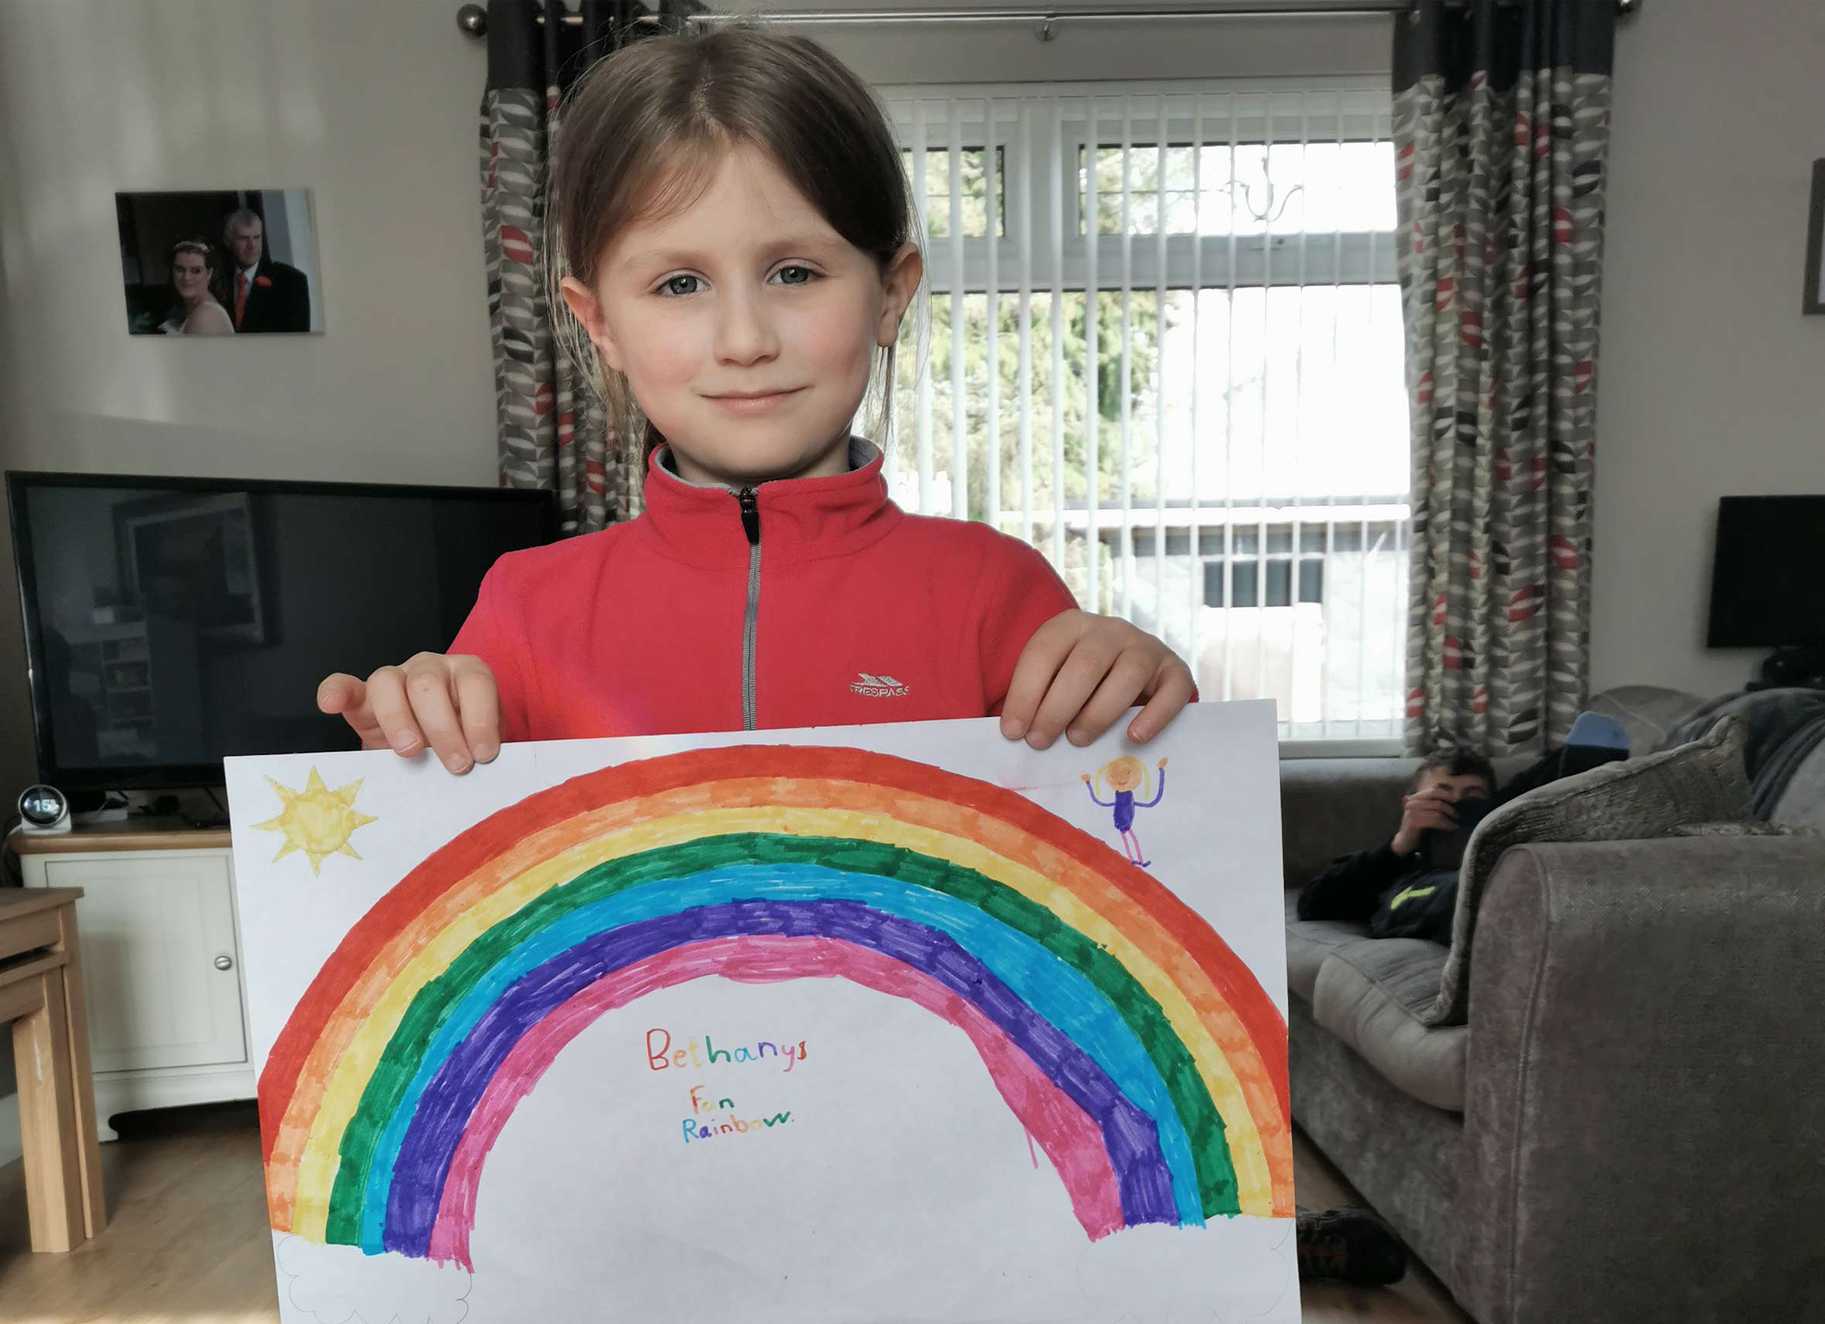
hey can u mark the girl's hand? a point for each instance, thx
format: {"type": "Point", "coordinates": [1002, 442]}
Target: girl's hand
{"type": "Point", "coordinates": [448, 702]}
{"type": "Point", "coordinates": [1080, 672]}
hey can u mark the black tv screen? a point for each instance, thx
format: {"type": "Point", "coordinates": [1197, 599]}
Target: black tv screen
{"type": "Point", "coordinates": [1768, 580]}
{"type": "Point", "coordinates": [170, 623]}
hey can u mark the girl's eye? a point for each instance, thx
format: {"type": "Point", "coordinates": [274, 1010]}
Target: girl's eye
{"type": "Point", "coordinates": [795, 275]}
{"type": "Point", "coordinates": [670, 286]}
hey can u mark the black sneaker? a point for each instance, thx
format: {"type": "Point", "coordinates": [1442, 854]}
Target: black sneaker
{"type": "Point", "coordinates": [1351, 1246]}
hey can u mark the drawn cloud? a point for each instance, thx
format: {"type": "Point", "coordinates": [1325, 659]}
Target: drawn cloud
{"type": "Point", "coordinates": [343, 1285]}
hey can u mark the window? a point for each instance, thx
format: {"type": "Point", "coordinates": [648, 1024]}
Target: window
{"type": "Point", "coordinates": [1163, 344]}
{"type": "Point", "coordinates": [1235, 581]}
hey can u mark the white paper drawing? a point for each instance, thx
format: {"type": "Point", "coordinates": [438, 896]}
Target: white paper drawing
{"type": "Point", "coordinates": [885, 1023]}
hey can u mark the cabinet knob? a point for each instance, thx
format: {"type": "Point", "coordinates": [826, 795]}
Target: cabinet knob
{"type": "Point", "coordinates": [224, 962]}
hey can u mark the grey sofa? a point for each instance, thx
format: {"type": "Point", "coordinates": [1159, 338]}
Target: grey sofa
{"type": "Point", "coordinates": [1631, 1124]}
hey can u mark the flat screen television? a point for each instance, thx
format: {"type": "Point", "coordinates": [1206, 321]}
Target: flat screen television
{"type": "Point", "coordinates": [1768, 578]}
{"type": "Point", "coordinates": [172, 622]}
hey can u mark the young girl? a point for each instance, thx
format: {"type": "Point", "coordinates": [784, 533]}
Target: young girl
{"type": "Point", "coordinates": [738, 231]}
{"type": "Point", "coordinates": [739, 237]}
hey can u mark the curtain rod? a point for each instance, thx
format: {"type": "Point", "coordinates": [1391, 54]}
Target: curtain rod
{"type": "Point", "coordinates": [473, 19]}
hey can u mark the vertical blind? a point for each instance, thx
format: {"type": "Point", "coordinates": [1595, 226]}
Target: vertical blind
{"type": "Point", "coordinates": [1161, 341]}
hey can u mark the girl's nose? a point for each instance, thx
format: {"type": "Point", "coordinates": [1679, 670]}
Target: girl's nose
{"type": "Point", "coordinates": [744, 332]}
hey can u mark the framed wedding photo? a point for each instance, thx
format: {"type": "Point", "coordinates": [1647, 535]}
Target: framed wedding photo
{"type": "Point", "coordinates": [1815, 242]}
{"type": "Point", "coordinates": [233, 262]}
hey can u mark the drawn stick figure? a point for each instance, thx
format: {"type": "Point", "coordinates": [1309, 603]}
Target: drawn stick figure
{"type": "Point", "coordinates": [1125, 775]}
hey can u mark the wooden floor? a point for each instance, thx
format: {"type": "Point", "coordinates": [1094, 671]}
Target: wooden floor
{"type": "Point", "coordinates": [187, 1237]}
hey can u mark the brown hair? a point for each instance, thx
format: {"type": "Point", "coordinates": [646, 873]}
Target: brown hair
{"type": "Point", "coordinates": [200, 247]}
{"type": "Point", "coordinates": [1461, 761]}
{"type": "Point", "coordinates": [641, 134]}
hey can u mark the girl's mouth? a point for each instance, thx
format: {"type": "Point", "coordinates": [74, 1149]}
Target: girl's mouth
{"type": "Point", "coordinates": [754, 404]}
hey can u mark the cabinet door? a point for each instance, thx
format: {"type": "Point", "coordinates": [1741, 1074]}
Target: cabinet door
{"type": "Point", "coordinates": [157, 929]}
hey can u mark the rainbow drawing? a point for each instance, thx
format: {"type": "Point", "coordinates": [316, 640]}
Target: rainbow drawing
{"type": "Point", "coordinates": [1132, 1044]}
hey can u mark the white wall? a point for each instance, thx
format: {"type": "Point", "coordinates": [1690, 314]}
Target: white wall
{"type": "Point", "coordinates": [1712, 382]}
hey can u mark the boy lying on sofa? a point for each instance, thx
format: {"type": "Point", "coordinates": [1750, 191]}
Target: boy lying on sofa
{"type": "Point", "coordinates": [1407, 886]}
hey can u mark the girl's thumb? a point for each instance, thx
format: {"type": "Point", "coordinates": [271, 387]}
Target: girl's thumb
{"type": "Point", "coordinates": [339, 693]}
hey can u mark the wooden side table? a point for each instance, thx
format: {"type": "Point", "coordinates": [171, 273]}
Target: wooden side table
{"type": "Point", "coordinates": [41, 994]}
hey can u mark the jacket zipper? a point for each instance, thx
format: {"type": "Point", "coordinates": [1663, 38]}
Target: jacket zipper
{"type": "Point", "coordinates": [750, 525]}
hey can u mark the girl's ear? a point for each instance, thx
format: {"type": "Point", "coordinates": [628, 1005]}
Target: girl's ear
{"type": "Point", "coordinates": [900, 282]}
{"type": "Point", "coordinates": [587, 309]}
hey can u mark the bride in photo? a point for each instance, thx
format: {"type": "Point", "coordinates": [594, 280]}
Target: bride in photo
{"type": "Point", "coordinates": [197, 313]}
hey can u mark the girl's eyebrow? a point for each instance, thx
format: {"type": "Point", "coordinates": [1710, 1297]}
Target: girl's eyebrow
{"type": "Point", "coordinates": [808, 243]}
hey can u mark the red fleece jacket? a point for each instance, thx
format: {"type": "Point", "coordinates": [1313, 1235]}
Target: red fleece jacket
{"type": "Point", "coordinates": [811, 602]}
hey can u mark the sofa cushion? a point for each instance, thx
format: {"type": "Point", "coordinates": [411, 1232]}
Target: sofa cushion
{"type": "Point", "coordinates": [1698, 782]}
{"type": "Point", "coordinates": [1309, 941]}
{"type": "Point", "coordinates": [1782, 725]}
{"type": "Point", "coordinates": [1802, 804]}
{"type": "Point", "coordinates": [1332, 806]}
{"type": "Point", "coordinates": [1371, 994]}
{"type": "Point", "coordinates": [1646, 712]}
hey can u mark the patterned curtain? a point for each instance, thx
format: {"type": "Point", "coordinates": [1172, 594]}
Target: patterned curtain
{"type": "Point", "coordinates": [551, 426]}
{"type": "Point", "coordinates": [1501, 129]}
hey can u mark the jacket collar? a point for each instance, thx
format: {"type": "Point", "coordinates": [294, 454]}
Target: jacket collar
{"type": "Point", "coordinates": [801, 519]}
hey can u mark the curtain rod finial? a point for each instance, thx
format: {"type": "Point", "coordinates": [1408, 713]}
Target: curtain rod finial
{"type": "Point", "coordinates": [1628, 8]}
{"type": "Point", "coordinates": [473, 19]}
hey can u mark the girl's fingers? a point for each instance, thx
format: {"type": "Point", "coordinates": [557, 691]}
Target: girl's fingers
{"type": "Point", "coordinates": [344, 695]}
{"type": "Point", "coordinates": [1172, 690]}
{"type": "Point", "coordinates": [1081, 672]}
{"type": "Point", "coordinates": [429, 687]}
{"type": "Point", "coordinates": [1033, 673]}
{"type": "Point", "coordinates": [449, 704]}
{"type": "Point", "coordinates": [392, 712]}
{"type": "Point", "coordinates": [1077, 679]}
{"type": "Point", "coordinates": [1125, 683]}
{"type": "Point", "coordinates": [478, 704]}
{"type": "Point", "coordinates": [340, 693]}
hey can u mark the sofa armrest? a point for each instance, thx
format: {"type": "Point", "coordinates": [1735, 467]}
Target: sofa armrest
{"type": "Point", "coordinates": [1642, 1119]}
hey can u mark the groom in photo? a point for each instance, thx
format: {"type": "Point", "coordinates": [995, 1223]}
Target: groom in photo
{"type": "Point", "coordinates": [264, 295]}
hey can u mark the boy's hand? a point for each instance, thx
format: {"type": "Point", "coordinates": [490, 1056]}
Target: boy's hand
{"type": "Point", "coordinates": [1080, 672]}
{"type": "Point", "coordinates": [447, 702]}
{"type": "Point", "coordinates": [1423, 811]}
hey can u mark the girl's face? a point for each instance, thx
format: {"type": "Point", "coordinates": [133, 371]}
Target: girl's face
{"type": "Point", "coordinates": [1125, 773]}
{"type": "Point", "coordinates": [191, 276]}
{"type": "Point", "coordinates": [745, 325]}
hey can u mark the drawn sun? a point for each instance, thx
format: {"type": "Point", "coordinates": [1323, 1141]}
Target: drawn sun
{"type": "Point", "coordinates": [317, 820]}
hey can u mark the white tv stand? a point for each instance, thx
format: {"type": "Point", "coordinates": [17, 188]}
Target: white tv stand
{"type": "Point", "coordinates": [161, 957]}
